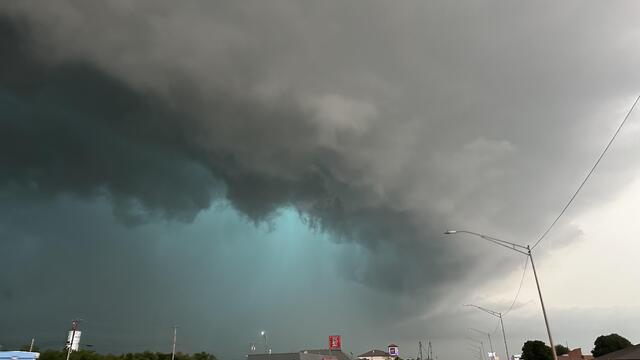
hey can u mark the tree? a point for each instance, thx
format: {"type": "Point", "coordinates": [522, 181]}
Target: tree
{"type": "Point", "coordinates": [536, 350]}
{"type": "Point", "coordinates": [561, 349]}
{"type": "Point", "coordinates": [605, 344]}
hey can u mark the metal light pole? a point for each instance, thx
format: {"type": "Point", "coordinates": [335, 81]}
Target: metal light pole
{"type": "Point", "coordinates": [484, 353]}
{"type": "Point", "coordinates": [488, 336]}
{"type": "Point", "coordinates": [525, 250]}
{"type": "Point", "coordinates": [499, 316]}
{"type": "Point", "coordinates": [266, 345]}
{"type": "Point", "coordinates": [478, 349]}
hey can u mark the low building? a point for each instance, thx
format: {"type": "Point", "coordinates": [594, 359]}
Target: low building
{"type": "Point", "coordinates": [337, 354]}
{"type": "Point", "coordinates": [630, 353]}
{"type": "Point", "coordinates": [375, 355]}
{"type": "Point", "coordinates": [575, 354]}
{"type": "Point", "coordinates": [320, 354]}
{"type": "Point", "coordinates": [285, 356]}
{"type": "Point", "coordinates": [19, 355]}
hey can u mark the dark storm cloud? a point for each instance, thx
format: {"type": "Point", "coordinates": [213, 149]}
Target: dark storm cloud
{"type": "Point", "coordinates": [70, 127]}
{"type": "Point", "coordinates": [382, 123]}
{"type": "Point", "coordinates": [73, 128]}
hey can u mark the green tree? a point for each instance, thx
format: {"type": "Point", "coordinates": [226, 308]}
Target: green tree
{"type": "Point", "coordinates": [605, 344]}
{"type": "Point", "coordinates": [536, 350]}
{"type": "Point", "coordinates": [561, 349]}
{"type": "Point", "coordinates": [52, 355]}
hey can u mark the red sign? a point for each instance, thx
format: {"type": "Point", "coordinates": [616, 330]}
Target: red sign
{"type": "Point", "coordinates": [335, 342]}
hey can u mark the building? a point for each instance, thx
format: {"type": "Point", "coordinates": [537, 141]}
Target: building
{"type": "Point", "coordinates": [338, 354]}
{"type": "Point", "coordinates": [630, 353]}
{"type": "Point", "coordinates": [321, 354]}
{"type": "Point", "coordinates": [375, 355]}
{"type": "Point", "coordinates": [575, 354]}
{"type": "Point", "coordinates": [19, 355]}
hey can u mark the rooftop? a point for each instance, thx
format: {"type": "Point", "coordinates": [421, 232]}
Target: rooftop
{"type": "Point", "coordinates": [374, 353]}
{"type": "Point", "coordinates": [630, 353]}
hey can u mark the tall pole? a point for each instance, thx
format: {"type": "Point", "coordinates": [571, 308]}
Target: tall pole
{"type": "Point", "coordinates": [488, 336]}
{"type": "Point", "coordinates": [74, 327]}
{"type": "Point", "coordinates": [491, 346]}
{"type": "Point", "coordinates": [526, 250]}
{"type": "Point", "coordinates": [544, 311]}
{"type": "Point", "coordinates": [173, 350]}
{"type": "Point", "coordinates": [31, 346]}
{"type": "Point", "coordinates": [506, 349]}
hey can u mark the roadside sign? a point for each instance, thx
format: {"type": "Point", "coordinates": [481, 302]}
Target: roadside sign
{"type": "Point", "coordinates": [335, 342]}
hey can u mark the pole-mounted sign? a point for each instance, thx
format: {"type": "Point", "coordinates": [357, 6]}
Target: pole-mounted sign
{"type": "Point", "coordinates": [335, 342]}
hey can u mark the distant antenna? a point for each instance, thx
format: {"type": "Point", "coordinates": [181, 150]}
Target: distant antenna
{"type": "Point", "coordinates": [419, 350]}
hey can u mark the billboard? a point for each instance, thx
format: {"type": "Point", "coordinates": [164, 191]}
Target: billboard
{"type": "Point", "coordinates": [75, 342]}
{"type": "Point", "coordinates": [335, 342]}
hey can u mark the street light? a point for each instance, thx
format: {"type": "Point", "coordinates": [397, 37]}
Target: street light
{"type": "Point", "coordinates": [266, 344]}
{"type": "Point", "coordinates": [481, 346]}
{"type": "Point", "coordinates": [499, 316]}
{"type": "Point", "coordinates": [477, 348]}
{"type": "Point", "coordinates": [488, 336]}
{"type": "Point", "coordinates": [525, 250]}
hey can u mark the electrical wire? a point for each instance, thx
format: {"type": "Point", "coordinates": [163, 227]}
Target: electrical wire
{"type": "Point", "coordinates": [524, 272]}
{"type": "Point", "coordinates": [587, 177]}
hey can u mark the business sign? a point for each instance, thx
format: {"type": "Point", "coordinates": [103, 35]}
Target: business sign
{"type": "Point", "coordinates": [335, 342]}
{"type": "Point", "coordinates": [393, 350]}
{"type": "Point", "coordinates": [74, 340]}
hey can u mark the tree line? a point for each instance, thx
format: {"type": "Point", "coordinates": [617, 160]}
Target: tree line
{"type": "Point", "coordinates": [147, 355]}
{"type": "Point", "coordinates": [604, 344]}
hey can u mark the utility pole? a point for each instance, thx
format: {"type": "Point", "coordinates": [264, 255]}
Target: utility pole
{"type": "Point", "coordinates": [490, 343]}
{"type": "Point", "coordinates": [31, 346]}
{"type": "Point", "coordinates": [499, 316]}
{"type": "Point", "coordinates": [544, 311]}
{"type": "Point", "coordinates": [173, 349]}
{"type": "Point", "coordinates": [525, 250]}
{"type": "Point", "coordinates": [74, 328]}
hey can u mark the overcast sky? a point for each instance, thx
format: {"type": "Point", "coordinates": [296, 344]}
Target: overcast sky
{"type": "Point", "coordinates": [229, 167]}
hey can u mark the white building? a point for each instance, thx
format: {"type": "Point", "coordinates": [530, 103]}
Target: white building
{"type": "Point", "coordinates": [375, 355]}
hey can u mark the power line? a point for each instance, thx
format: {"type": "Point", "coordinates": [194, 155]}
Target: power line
{"type": "Point", "coordinates": [588, 175]}
{"type": "Point", "coordinates": [524, 271]}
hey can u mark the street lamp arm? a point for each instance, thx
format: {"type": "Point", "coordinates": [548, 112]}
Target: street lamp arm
{"type": "Point", "coordinates": [509, 245]}
{"type": "Point", "coordinates": [491, 312]}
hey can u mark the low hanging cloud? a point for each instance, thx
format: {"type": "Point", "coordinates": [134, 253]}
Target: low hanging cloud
{"type": "Point", "coordinates": [382, 134]}
{"type": "Point", "coordinates": [71, 128]}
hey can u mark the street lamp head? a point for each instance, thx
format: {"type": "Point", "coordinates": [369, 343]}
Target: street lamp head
{"type": "Point", "coordinates": [449, 232]}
